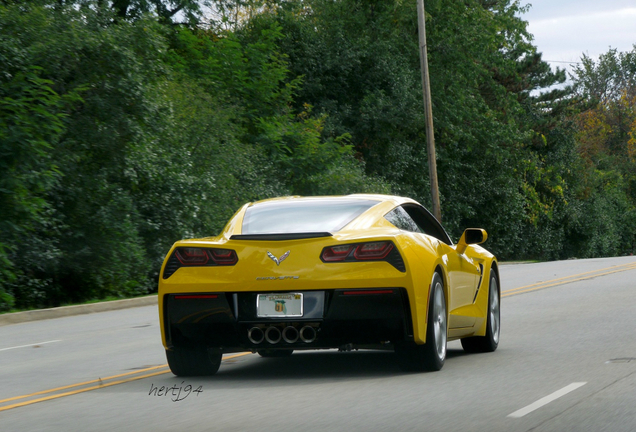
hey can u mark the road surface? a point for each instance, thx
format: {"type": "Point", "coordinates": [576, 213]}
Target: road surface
{"type": "Point", "coordinates": [566, 362]}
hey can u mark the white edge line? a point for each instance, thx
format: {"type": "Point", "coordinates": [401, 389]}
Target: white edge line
{"type": "Point", "coordinates": [30, 345]}
{"type": "Point", "coordinates": [546, 400]}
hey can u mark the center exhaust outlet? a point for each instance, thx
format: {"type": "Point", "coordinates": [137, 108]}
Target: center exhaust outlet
{"type": "Point", "coordinates": [308, 334]}
{"type": "Point", "coordinates": [272, 335]}
{"type": "Point", "coordinates": [290, 334]}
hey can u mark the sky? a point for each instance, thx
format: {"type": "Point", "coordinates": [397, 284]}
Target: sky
{"type": "Point", "coordinates": [565, 29]}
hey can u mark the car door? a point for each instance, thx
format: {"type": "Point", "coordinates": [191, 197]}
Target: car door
{"type": "Point", "coordinates": [464, 273]}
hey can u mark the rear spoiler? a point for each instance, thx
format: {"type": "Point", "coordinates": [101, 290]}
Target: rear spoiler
{"type": "Point", "coordinates": [282, 236]}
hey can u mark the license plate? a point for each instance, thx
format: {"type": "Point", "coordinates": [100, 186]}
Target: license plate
{"type": "Point", "coordinates": [279, 305]}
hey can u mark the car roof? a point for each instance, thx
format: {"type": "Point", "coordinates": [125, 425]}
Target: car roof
{"type": "Point", "coordinates": [378, 204]}
{"type": "Point", "coordinates": [396, 200]}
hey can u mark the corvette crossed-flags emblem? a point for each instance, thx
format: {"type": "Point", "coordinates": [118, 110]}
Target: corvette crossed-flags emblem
{"type": "Point", "coordinates": [278, 260]}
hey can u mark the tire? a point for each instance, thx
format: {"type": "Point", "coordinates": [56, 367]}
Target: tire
{"type": "Point", "coordinates": [193, 361]}
{"type": "Point", "coordinates": [431, 355]}
{"type": "Point", "coordinates": [490, 341]}
{"type": "Point", "coordinates": [271, 353]}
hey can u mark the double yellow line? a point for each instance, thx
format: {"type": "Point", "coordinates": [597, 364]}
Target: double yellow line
{"type": "Point", "coordinates": [91, 385]}
{"type": "Point", "coordinates": [569, 279]}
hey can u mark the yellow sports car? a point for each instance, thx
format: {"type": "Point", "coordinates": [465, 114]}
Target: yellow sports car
{"type": "Point", "coordinates": [347, 272]}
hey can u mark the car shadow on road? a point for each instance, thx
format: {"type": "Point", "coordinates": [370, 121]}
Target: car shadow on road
{"type": "Point", "coordinates": [251, 370]}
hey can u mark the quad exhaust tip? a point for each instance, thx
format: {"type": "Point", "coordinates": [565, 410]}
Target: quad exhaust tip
{"type": "Point", "coordinates": [255, 335]}
{"type": "Point", "coordinates": [273, 335]}
{"type": "Point", "coordinates": [290, 334]}
{"type": "Point", "coordinates": [308, 334]}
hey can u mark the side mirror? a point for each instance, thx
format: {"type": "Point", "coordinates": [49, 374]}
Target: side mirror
{"type": "Point", "coordinates": [471, 236]}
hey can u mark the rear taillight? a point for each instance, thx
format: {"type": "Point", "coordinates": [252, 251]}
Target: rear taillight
{"type": "Point", "coordinates": [192, 256]}
{"type": "Point", "coordinates": [223, 256]}
{"type": "Point", "coordinates": [370, 251]}
{"type": "Point", "coordinates": [336, 253]}
{"type": "Point", "coordinates": [373, 251]}
{"type": "Point", "coordinates": [199, 257]}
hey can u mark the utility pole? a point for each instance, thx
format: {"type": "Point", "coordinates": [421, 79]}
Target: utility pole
{"type": "Point", "coordinates": [428, 112]}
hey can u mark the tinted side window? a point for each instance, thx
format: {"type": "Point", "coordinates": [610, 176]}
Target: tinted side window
{"type": "Point", "coordinates": [401, 219]}
{"type": "Point", "coordinates": [427, 222]}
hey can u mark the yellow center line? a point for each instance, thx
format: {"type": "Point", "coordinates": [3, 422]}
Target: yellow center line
{"type": "Point", "coordinates": [101, 385]}
{"type": "Point", "coordinates": [82, 383]}
{"type": "Point", "coordinates": [19, 404]}
{"type": "Point", "coordinates": [572, 276]}
{"type": "Point", "coordinates": [569, 279]}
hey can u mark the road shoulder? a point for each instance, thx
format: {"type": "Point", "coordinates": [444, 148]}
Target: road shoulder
{"type": "Point", "coordinates": [64, 311]}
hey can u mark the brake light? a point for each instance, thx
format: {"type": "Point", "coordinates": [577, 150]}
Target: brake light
{"type": "Point", "coordinates": [336, 253]}
{"type": "Point", "coordinates": [199, 257]}
{"type": "Point", "coordinates": [373, 251]}
{"type": "Point", "coordinates": [192, 256]}
{"type": "Point", "coordinates": [202, 257]}
{"type": "Point", "coordinates": [223, 256]}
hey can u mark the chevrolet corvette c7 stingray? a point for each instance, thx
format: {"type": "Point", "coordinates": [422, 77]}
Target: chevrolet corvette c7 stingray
{"type": "Point", "coordinates": [347, 272]}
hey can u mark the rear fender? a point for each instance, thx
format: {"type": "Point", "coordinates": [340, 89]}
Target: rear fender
{"type": "Point", "coordinates": [421, 277]}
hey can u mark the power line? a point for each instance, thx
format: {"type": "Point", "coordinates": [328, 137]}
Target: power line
{"type": "Point", "coordinates": [561, 61]}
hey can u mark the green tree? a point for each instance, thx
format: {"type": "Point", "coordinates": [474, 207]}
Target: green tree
{"type": "Point", "coordinates": [31, 121]}
{"type": "Point", "coordinates": [606, 138]}
{"type": "Point", "coordinates": [247, 71]}
{"type": "Point", "coordinates": [175, 129]}
{"type": "Point", "coordinates": [360, 67]}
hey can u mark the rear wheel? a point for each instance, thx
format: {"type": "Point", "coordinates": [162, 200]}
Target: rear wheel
{"type": "Point", "coordinates": [490, 341]}
{"type": "Point", "coordinates": [267, 353]}
{"type": "Point", "coordinates": [197, 361]}
{"type": "Point", "coordinates": [431, 355]}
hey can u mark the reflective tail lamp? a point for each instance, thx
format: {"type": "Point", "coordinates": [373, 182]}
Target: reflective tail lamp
{"type": "Point", "coordinates": [198, 257]}
{"type": "Point", "coordinates": [371, 251]}
{"type": "Point", "coordinates": [192, 256]}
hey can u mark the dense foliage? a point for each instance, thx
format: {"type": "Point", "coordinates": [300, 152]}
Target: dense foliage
{"type": "Point", "coordinates": [129, 124]}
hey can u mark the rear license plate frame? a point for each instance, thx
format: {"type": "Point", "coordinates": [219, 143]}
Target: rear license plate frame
{"type": "Point", "coordinates": [279, 305]}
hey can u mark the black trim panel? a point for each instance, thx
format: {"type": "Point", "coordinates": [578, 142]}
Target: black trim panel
{"type": "Point", "coordinates": [481, 278]}
{"type": "Point", "coordinates": [339, 317]}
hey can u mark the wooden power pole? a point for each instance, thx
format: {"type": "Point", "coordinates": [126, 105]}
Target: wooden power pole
{"type": "Point", "coordinates": [428, 112]}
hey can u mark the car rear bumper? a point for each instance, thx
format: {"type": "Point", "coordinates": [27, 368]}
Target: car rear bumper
{"type": "Point", "coordinates": [331, 319]}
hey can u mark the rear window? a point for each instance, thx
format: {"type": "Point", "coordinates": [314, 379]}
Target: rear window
{"type": "Point", "coordinates": [302, 216]}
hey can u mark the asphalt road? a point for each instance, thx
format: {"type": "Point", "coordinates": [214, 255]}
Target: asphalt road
{"type": "Point", "coordinates": [566, 362]}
